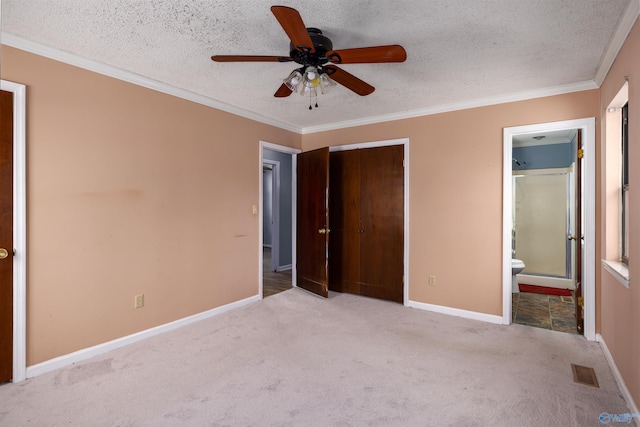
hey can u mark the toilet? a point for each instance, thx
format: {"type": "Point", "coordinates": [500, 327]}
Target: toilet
{"type": "Point", "coordinates": [517, 266]}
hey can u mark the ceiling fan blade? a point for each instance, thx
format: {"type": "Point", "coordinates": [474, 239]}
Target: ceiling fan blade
{"type": "Point", "coordinates": [349, 80]}
{"type": "Point", "coordinates": [292, 24]}
{"type": "Point", "coordinates": [250, 58]}
{"type": "Point", "coordinates": [368, 55]}
{"type": "Point", "coordinates": [282, 92]}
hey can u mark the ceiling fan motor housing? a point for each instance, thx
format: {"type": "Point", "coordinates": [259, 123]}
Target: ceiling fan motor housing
{"type": "Point", "coordinates": [321, 44]}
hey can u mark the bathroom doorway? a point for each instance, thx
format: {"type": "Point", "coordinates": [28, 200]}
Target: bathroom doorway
{"type": "Point", "coordinates": [542, 224]}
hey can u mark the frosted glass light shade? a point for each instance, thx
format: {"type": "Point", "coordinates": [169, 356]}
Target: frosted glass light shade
{"type": "Point", "coordinates": [311, 77]}
{"type": "Point", "coordinates": [326, 84]}
{"type": "Point", "coordinates": [294, 81]}
{"type": "Point", "coordinates": [308, 91]}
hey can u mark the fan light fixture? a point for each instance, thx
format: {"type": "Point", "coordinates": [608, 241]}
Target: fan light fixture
{"type": "Point", "coordinates": [307, 80]}
{"type": "Point", "coordinates": [311, 49]}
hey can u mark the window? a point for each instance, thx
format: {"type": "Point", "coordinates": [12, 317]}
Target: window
{"type": "Point", "coordinates": [624, 197]}
{"type": "Point", "coordinates": [615, 172]}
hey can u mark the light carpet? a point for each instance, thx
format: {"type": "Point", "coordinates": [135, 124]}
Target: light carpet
{"type": "Point", "coordinates": [295, 359]}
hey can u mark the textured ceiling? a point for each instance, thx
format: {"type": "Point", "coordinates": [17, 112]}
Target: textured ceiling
{"type": "Point", "coordinates": [459, 52]}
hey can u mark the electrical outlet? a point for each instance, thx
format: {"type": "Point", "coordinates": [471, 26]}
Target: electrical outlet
{"type": "Point", "coordinates": [432, 280]}
{"type": "Point", "coordinates": [139, 302]}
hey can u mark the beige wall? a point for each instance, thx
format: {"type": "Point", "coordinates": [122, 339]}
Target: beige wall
{"type": "Point", "coordinates": [131, 191]}
{"type": "Point", "coordinates": [619, 306]}
{"type": "Point", "coordinates": [456, 192]}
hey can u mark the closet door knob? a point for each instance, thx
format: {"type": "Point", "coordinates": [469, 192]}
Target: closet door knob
{"type": "Point", "coordinates": [323, 230]}
{"type": "Point", "coordinates": [3, 253]}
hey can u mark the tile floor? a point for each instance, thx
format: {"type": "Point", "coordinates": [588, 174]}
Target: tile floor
{"type": "Point", "coordinates": [544, 311]}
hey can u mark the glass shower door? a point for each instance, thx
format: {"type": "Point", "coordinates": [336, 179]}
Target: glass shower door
{"type": "Point", "coordinates": [541, 223]}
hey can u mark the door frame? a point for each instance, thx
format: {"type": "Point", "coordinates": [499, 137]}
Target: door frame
{"type": "Point", "coordinates": [293, 152]}
{"type": "Point", "coordinates": [275, 212]}
{"type": "Point", "coordinates": [19, 229]}
{"type": "Point", "coordinates": [588, 127]}
{"type": "Point", "coordinates": [405, 143]}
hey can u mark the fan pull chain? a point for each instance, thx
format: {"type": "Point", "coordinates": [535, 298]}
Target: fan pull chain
{"type": "Point", "coordinates": [310, 108]}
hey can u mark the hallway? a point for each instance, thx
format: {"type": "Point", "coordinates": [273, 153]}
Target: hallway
{"type": "Point", "coordinates": [273, 282]}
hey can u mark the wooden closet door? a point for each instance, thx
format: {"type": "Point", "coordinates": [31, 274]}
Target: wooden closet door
{"type": "Point", "coordinates": [344, 214]}
{"type": "Point", "coordinates": [313, 221]}
{"type": "Point", "coordinates": [366, 250]}
{"type": "Point", "coordinates": [382, 216]}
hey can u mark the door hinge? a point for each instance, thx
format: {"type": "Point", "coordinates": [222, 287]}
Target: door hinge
{"type": "Point", "coordinates": [580, 153]}
{"type": "Point", "coordinates": [580, 301]}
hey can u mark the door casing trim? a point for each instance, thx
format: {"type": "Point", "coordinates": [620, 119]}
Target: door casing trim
{"type": "Point", "coordinates": [19, 229]}
{"type": "Point", "coordinates": [588, 127]}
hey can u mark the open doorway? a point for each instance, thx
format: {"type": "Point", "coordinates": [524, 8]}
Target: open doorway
{"type": "Point", "coordinates": [277, 219]}
{"type": "Point", "coordinates": [545, 166]}
{"type": "Point", "coordinates": [565, 263]}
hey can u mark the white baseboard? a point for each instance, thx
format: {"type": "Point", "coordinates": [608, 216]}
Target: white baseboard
{"type": "Point", "coordinates": [87, 353]}
{"type": "Point", "coordinates": [549, 282]}
{"type": "Point", "coordinates": [456, 312]}
{"type": "Point", "coordinates": [621, 384]}
{"type": "Point", "coordinates": [285, 267]}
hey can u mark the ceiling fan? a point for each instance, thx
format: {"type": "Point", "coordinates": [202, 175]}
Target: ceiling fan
{"type": "Point", "coordinates": [314, 52]}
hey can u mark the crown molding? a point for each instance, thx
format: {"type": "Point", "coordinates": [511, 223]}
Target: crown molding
{"type": "Point", "coordinates": [625, 24]}
{"type": "Point", "coordinates": [127, 76]}
{"type": "Point", "coordinates": [446, 108]}
{"type": "Point", "coordinates": [120, 74]}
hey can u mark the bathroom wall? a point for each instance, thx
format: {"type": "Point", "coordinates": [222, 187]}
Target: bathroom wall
{"type": "Point", "coordinates": [545, 156]}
